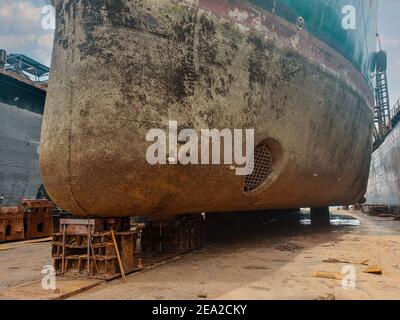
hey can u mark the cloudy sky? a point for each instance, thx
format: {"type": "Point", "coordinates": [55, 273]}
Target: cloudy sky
{"type": "Point", "coordinates": [21, 32]}
{"type": "Point", "coordinates": [389, 28]}
{"type": "Point", "coordinates": [21, 29]}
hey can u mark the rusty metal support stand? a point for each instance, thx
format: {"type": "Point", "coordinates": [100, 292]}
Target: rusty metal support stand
{"type": "Point", "coordinates": [177, 234]}
{"type": "Point", "coordinates": [94, 248]}
{"type": "Point", "coordinates": [320, 217]}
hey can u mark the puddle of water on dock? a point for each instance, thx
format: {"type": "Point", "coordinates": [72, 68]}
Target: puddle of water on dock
{"type": "Point", "coordinates": [336, 220]}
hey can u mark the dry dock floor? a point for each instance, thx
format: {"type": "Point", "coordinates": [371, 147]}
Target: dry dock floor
{"type": "Point", "coordinates": [277, 262]}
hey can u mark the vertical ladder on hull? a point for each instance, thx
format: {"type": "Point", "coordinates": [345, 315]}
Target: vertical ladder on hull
{"type": "Point", "coordinates": [382, 103]}
{"type": "Point", "coordinates": [382, 108]}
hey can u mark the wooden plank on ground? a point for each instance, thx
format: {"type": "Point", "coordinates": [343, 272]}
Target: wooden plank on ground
{"type": "Point", "coordinates": [65, 288]}
{"type": "Point", "coordinates": [19, 243]}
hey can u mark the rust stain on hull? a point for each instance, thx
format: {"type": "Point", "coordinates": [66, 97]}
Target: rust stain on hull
{"type": "Point", "coordinates": [121, 69]}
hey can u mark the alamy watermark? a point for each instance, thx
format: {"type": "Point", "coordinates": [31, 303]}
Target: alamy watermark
{"type": "Point", "coordinates": [49, 278]}
{"type": "Point", "coordinates": [48, 17]}
{"type": "Point", "coordinates": [349, 279]}
{"type": "Point", "coordinates": [187, 147]}
{"type": "Point", "coordinates": [349, 20]}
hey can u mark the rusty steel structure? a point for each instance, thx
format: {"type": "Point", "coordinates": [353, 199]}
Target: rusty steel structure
{"type": "Point", "coordinates": [32, 219]}
{"type": "Point", "coordinates": [85, 247]}
{"type": "Point", "coordinates": [11, 224]}
{"type": "Point", "coordinates": [174, 235]}
{"type": "Point", "coordinates": [121, 68]}
{"type": "Point", "coordinates": [38, 218]}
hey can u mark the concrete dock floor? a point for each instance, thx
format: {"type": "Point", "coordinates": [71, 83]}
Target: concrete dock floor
{"type": "Point", "coordinates": [277, 262]}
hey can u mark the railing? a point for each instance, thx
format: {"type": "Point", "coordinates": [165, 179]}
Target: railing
{"type": "Point", "coordinates": [396, 109]}
{"type": "Point", "coordinates": [379, 137]}
{"type": "Point", "coordinates": [34, 73]}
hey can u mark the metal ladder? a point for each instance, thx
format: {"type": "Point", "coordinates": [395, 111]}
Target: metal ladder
{"type": "Point", "coordinates": [382, 107]}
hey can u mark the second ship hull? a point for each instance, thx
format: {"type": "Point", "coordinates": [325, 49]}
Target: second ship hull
{"type": "Point", "coordinates": [122, 69]}
{"type": "Point", "coordinates": [384, 181]}
{"type": "Point", "coordinates": [21, 112]}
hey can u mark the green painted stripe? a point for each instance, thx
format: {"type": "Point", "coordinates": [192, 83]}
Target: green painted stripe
{"type": "Point", "coordinates": [323, 18]}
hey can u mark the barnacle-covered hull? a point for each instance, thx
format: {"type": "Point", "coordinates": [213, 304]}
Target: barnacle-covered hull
{"type": "Point", "coordinates": [121, 68]}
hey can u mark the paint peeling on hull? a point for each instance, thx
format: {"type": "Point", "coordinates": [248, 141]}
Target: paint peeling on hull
{"type": "Point", "coordinates": [121, 69]}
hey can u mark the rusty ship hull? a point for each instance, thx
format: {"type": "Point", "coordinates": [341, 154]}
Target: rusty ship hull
{"type": "Point", "coordinates": [121, 68]}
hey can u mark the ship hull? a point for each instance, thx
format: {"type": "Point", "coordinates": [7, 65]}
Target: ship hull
{"type": "Point", "coordinates": [119, 71]}
{"type": "Point", "coordinates": [384, 181]}
{"type": "Point", "coordinates": [21, 113]}
{"type": "Point", "coordinates": [19, 154]}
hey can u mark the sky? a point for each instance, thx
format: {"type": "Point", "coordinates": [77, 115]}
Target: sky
{"type": "Point", "coordinates": [21, 32]}
{"type": "Point", "coordinates": [389, 29]}
{"type": "Point", "coordinates": [21, 29]}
